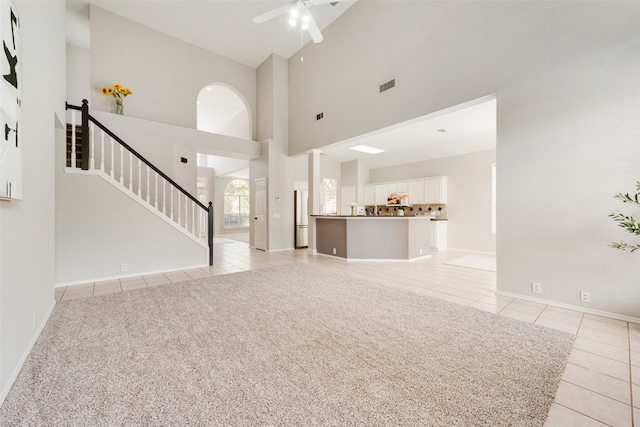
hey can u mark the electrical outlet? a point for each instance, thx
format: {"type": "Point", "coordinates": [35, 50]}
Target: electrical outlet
{"type": "Point", "coordinates": [420, 251]}
{"type": "Point", "coordinates": [585, 296]}
{"type": "Point", "coordinates": [334, 251]}
{"type": "Point", "coordinates": [536, 287]}
{"type": "Point", "coordinates": [125, 267]}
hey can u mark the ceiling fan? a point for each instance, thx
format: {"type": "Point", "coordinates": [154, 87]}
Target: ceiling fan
{"type": "Point", "coordinates": [298, 10]}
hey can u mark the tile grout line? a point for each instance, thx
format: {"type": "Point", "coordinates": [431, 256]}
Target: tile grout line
{"type": "Point", "coordinates": [580, 413]}
{"type": "Point", "coordinates": [593, 391]}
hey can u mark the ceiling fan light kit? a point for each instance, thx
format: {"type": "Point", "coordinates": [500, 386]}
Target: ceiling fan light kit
{"type": "Point", "coordinates": [297, 9]}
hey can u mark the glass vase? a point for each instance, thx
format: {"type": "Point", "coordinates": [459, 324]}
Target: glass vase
{"type": "Point", "coordinates": [119, 107]}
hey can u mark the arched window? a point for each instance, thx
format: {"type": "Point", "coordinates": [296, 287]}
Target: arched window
{"type": "Point", "coordinates": [330, 196]}
{"type": "Point", "coordinates": [236, 204]}
{"type": "Point", "coordinates": [221, 110]}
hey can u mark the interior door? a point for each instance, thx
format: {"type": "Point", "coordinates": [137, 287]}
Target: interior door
{"type": "Point", "coordinates": [260, 214]}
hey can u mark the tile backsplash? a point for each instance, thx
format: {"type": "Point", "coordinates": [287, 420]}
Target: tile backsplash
{"type": "Point", "coordinates": [439, 210]}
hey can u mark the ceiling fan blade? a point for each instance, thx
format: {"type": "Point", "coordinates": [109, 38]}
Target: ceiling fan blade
{"type": "Point", "coordinates": [271, 14]}
{"type": "Point", "coordinates": [314, 31]}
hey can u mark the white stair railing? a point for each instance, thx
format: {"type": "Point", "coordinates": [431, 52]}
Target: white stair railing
{"type": "Point", "coordinates": [126, 173]}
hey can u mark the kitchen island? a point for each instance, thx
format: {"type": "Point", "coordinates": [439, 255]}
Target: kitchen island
{"type": "Point", "coordinates": [373, 237]}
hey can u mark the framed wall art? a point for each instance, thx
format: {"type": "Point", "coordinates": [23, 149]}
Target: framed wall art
{"type": "Point", "coordinates": [10, 103]}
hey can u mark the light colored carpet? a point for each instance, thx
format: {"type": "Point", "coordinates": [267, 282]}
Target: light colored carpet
{"type": "Point", "coordinates": [284, 346]}
{"type": "Point", "coordinates": [482, 262]}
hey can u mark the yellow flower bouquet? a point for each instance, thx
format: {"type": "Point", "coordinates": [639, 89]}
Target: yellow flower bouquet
{"type": "Point", "coordinates": [119, 93]}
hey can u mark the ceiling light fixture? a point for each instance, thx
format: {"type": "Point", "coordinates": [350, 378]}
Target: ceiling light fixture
{"type": "Point", "coordinates": [297, 9]}
{"type": "Point", "coordinates": [366, 149]}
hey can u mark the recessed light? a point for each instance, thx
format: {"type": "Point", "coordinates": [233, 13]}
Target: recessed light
{"type": "Point", "coordinates": [366, 149]}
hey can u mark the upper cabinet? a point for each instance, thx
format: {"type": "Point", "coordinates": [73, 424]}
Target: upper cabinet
{"type": "Point", "coordinates": [381, 194]}
{"type": "Point", "coordinates": [435, 190]}
{"type": "Point", "coordinates": [416, 191]}
{"type": "Point", "coordinates": [421, 191]}
{"type": "Point", "coordinates": [376, 194]}
{"type": "Point", "coordinates": [369, 194]}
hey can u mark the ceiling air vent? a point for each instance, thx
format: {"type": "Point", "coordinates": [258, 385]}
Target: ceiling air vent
{"type": "Point", "coordinates": [388, 85]}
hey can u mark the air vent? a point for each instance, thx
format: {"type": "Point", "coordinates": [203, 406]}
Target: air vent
{"type": "Point", "coordinates": [388, 85]}
{"type": "Point", "coordinates": [319, 116]}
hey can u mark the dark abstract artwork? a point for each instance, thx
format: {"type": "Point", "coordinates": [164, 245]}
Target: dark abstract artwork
{"type": "Point", "coordinates": [11, 103]}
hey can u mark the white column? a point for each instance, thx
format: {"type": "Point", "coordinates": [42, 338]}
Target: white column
{"type": "Point", "coordinates": [315, 184]}
{"type": "Point", "coordinates": [315, 189]}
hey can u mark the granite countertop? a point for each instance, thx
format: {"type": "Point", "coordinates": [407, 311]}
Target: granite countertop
{"type": "Point", "coordinates": [375, 217]}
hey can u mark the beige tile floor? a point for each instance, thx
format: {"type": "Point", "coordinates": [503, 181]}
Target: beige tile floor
{"type": "Point", "coordinates": [600, 385]}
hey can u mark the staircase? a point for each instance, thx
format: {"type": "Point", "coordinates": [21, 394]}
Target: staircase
{"type": "Point", "coordinates": [94, 149]}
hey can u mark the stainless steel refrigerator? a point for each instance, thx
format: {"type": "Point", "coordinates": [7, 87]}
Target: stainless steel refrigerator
{"type": "Point", "coordinates": [301, 215]}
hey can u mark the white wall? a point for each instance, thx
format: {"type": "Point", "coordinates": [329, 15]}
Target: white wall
{"type": "Point", "coordinates": [237, 126]}
{"type": "Point", "coordinates": [272, 81]}
{"type": "Point", "coordinates": [164, 145]}
{"type": "Point", "coordinates": [468, 191]}
{"type": "Point", "coordinates": [300, 166]}
{"type": "Point", "coordinates": [165, 74]}
{"type": "Point", "coordinates": [78, 75]}
{"type": "Point", "coordinates": [27, 229]}
{"type": "Point", "coordinates": [99, 228]}
{"type": "Point", "coordinates": [565, 77]}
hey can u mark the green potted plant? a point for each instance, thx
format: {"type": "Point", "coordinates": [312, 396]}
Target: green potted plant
{"type": "Point", "coordinates": [627, 222]}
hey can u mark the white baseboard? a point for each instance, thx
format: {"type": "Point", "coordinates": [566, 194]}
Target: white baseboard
{"type": "Point", "coordinates": [124, 276]}
{"type": "Point", "coordinates": [471, 252]}
{"type": "Point", "coordinates": [571, 307]}
{"type": "Point", "coordinates": [280, 250]}
{"type": "Point", "coordinates": [16, 371]}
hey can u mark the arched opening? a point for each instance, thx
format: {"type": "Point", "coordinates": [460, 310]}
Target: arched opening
{"type": "Point", "coordinates": [221, 110]}
{"type": "Point", "coordinates": [236, 205]}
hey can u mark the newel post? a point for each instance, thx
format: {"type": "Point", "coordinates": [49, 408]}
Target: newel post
{"type": "Point", "coordinates": [210, 232]}
{"type": "Point", "coordinates": [85, 136]}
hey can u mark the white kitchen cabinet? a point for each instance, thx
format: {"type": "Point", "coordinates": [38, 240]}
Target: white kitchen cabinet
{"type": "Point", "coordinates": [435, 190]}
{"type": "Point", "coordinates": [402, 187]}
{"type": "Point", "coordinates": [416, 192]}
{"type": "Point", "coordinates": [438, 235]}
{"type": "Point", "coordinates": [392, 187]}
{"type": "Point", "coordinates": [381, 194]}
{"type": "Point", "coordinates": [369, 194]}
